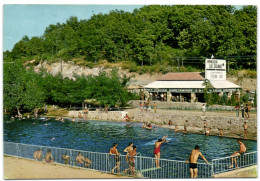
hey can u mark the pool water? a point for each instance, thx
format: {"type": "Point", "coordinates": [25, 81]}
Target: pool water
{"type": "Point", "coordinates": [99, 136]}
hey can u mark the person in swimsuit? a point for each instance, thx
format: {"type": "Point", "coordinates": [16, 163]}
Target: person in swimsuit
{"type": "Point", "coordinates": [48, 156]}
{"type": "Point", "coordinates": [129, 148]}
{"type": "Point", "coordinates": [176, 128]}
{"type": "Point", "coordinates": [205, 126]}
{"type": "Point", "coordinates": [131, 160]}
{"type": "Point", "coordinates": [237, 153]}
{"type": "Point", "coordinates": [37, 155]}
{"type": "Point", "coordinates": [220, 132]}
{"type": "Point", "coordinates": [157, 150]}
{"type": "Point", "coordinates": [185, 127]}
{"type": "Point", "coordinates": [192, 160]}
{"type": "Point", "coordinates": [87, 162]}
{"type": "Point", "coordinates": [245, 129]}
{"type": "Point", "coordinates": [117, 158]}
{"type": "Point", "coordinates": [65, 158]}
{"type": "Point", "coordinates": [80, 160]}
{"type": "Point", "coordinates": [208, 131]}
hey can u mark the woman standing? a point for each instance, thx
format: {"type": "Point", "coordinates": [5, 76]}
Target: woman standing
{"type": "Point", "coordinates": [157, 150]}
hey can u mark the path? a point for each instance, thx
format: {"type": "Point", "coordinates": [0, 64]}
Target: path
{"type": "Point", "coordinates": [18, 168]}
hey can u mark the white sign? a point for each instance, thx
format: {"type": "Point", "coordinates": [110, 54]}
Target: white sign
{"type": "Point", "coordinates": [215, 69]}
{"type": "Point", "coordinates": [215, 75]}
{"type": "Point", "coordinates": [215, 64]}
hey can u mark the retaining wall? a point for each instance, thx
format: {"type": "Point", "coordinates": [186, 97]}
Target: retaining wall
{"type": "Point", "coordinates": [230, 125]}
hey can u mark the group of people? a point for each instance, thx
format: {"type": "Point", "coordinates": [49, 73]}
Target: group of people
{"type": "Point", "coordinates": [176, 129]}
{"type": "Point", "coordinates": [130, 157]}
{"type": "Point", "coordinates": [80, 161]}
{"type": "Point", "coordinates": [38, 155]}
{"type": "Point", "coordinates": [146, 106]}
{"type": "Point", "coordinates": [147, 126]}
{"type": "Point", "coordinates": [244, 110]}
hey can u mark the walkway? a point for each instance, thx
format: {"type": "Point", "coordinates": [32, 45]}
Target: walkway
{"type": "Point", "coordinates": [18, 168]}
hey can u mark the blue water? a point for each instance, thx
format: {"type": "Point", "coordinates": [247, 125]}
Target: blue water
{"type": "Point", "coordinates": [99, 136]}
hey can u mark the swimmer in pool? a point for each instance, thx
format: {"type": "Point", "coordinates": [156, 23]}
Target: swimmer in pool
{"type": "Point", "coordinates": [193, 158]}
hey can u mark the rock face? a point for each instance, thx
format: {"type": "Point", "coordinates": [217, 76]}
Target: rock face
{"type": "Point", "coordinates": [68, 69]}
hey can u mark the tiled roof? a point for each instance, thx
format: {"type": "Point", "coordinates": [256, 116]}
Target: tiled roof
{"type": "Point", "coordinates": [182, 76]}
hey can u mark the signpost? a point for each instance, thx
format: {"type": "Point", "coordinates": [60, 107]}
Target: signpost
{"type": "Point", "coordinates": [215, 69]}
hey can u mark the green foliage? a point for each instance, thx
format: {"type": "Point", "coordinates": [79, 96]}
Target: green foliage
{"type": "Point", "coordinates": [27, 90]}
{"type": "Point", "coordinates": [245, 97]}
{"type": "Point", "coordinates": [21, 88]}
{"type": "Point", "coordinates": [108, 89]}
{"type": "Point", "coordinates": [150, 35]}
{"type": "Point", "coordinates": [233, 100]}
{"type": "Point", "coordinates": [224, 99]}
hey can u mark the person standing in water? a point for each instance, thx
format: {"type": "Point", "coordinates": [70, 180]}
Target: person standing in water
{"type": "Point", "coordinates": [192, 160]}
{"type": "Point", "coordinates": [157, 150]}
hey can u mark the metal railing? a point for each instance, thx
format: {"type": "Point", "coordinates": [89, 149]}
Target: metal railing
{"type": "Point", "coordinates": [221, 165]}
{"type": "Point", "coordinates": [145, 167]}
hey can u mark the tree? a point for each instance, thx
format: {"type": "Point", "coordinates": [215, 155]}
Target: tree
{"type": "Point", "coordinates": [21, 88]}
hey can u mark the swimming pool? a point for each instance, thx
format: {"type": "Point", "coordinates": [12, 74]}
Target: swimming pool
{"type": "Point", "coordinates": [98, 136]}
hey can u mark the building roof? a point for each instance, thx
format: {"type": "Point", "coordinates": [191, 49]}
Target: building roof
{"type": "Point", "coordinates": [182, 76]}
{"type": "Point", "coordinates": [223, 84]}
{"type": "Point", "coordinates": [175, 84]}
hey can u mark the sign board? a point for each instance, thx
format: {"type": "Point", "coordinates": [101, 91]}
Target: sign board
{"type": "Point", "coordinates": [215, 69]}
{"type": "Point", "coordinates": [215, 64]}
{"type": "Point", "coordinates": [215, 75]}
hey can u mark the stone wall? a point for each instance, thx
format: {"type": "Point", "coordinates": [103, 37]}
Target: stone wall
{"type": "Point", "coordinates": [164, 105]}
{"type": "Point", "coordinates": [232, 126]}
{"type": "Point", "coordinates": [226, 123]}
{"type": "Point", "coordinates": [96, 115]}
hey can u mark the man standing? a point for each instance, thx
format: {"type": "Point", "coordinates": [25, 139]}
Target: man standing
{"type": "Point", "coordinates": [192, 160]}
{"type": "Point", "coordinates": [116, 157]}
{"type": "Point", "coordinates": [237, 153]}
{"type": "Point", "coordinates": [131, 160]}
{"type": "Point", "coordinates": [237, 110]}
{"type": "Point", "coordinates": [205, 126]}
{"type": "Point", "coordinates": [242, 111]}
{"type": "Point", "coordinates": [245, 129]}
{"type": "Point", "coordinates": [204, 109]}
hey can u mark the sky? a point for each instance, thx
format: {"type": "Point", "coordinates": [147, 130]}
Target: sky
{"type": "Point", "coordinates": [32, 19]}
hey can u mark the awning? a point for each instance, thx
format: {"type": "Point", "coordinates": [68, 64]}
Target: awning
{"type": "Point", "coordinates": [223, 84]}
{"type": "Point", "coordinates": [175, 84]}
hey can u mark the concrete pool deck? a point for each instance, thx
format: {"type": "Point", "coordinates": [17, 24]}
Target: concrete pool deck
{"type": "Point", "coordinates": [247, 172]}
{"type": "Point", "coordinates": [19, 168]}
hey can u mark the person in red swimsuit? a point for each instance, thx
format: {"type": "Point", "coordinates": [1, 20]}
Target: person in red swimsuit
{"type": "Point", "coordinates": [157, 150]}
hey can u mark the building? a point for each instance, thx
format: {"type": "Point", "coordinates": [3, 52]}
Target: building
{"type": "Point", "coordinates": [190, 86]}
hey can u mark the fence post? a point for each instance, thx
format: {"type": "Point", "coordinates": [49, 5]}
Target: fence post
{"type": "Point", "coordinates": [212, 169]}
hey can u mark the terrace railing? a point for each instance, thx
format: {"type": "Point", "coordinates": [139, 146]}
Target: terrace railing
{"type": "Point", "coordinates": [144, 166]}
{"type": "Point", "coordinates": [221, 165]}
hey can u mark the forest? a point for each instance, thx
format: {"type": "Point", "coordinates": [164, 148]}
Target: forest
{"type": "Point", "coordinates": [151, 35]}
